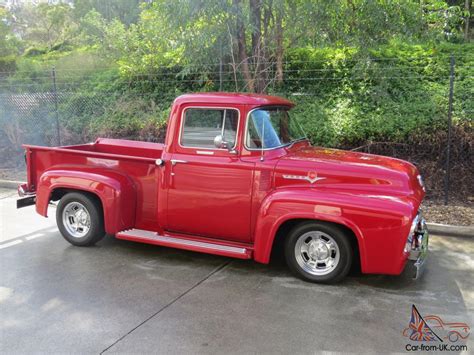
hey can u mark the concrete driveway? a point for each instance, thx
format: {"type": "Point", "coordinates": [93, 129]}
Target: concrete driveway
{"type": "Point", "coordinates": [124, 297]}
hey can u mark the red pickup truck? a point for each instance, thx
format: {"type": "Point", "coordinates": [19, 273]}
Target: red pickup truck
{"type": "Point", "coordinates": [235, 177]}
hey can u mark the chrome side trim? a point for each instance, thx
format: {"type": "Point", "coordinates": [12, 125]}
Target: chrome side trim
{"type": "Point", "coordinates": [176, 161]}
{"type": "Point", "coordinates": [138, 233]}
{"type": "Point", "coordinates": [204, 152]}
{"type": "Point", "coordinates": [302, 177]}
{"type": "Point", "coordinates": [149, 235]}
{"type": "Point", "coordinates": [202, 244]}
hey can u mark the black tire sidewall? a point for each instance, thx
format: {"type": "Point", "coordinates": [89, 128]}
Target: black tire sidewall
{"type": "Point", "coordinates": [96, 232]}
{"type": "Point", "coordinates": [345, 249]}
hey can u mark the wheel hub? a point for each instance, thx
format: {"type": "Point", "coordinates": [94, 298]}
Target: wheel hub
{"type": "Point", "coordinates": [81, 216]}
{"type": "Point", "coordinates": [76, 219]}
{"type": "Point", "coordinates": [318, 251]}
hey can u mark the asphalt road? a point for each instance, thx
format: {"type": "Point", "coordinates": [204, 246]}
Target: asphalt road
{"type": "Point", "coordinates": [124, 297]}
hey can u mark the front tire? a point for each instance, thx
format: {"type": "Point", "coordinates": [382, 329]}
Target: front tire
{"type": "Point", "coordinates": [318, 252]}
{"type": "Point", "coordinates": [80, 220]}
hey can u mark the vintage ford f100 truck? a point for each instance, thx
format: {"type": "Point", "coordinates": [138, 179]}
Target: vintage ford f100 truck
{"type": "Point", "coordinates": [236, 176]}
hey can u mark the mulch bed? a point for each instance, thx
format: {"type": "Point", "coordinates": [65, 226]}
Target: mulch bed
{"type": "Point", "coordinates": [455, 213]}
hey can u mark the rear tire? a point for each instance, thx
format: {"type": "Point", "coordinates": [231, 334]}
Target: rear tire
{"type": "Point", "coordinates": [318, 252]}
{"type": "Point", "coordinates": [79, 217]}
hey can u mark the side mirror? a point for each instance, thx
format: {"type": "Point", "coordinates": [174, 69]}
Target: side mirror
{"type": "Point", "coordinates": [220, 143]}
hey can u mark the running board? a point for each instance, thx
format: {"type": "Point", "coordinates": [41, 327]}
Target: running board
{"type": "Point", "coordinates": [149, 237]}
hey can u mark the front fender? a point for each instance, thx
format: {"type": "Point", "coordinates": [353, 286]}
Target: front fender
{"type": "Point", "coordinates": [116, 192]}
{"type": "Point", "coordinates": [380, 223]}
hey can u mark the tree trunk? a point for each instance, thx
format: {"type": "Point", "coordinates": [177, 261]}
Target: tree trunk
{"type": "Point", "coordinates": [242, 48]}
{"type": "Point", "coordinates": [257, 44]}
{"type": "Point", "coordinates": [255, 20]}
{"type": "Point", "coordinates": [266, 39]}
{"type": "Point", "coordinates": [467, 8]}
{"type": "Point", "coordinates": [279, 47]}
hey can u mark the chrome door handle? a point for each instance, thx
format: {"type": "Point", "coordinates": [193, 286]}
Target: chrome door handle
{"type": "Point", "coordinates": [176, 161]}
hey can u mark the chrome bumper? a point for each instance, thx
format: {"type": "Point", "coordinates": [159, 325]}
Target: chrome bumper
{"type": "Point", "coordinates": [419, 248]}
{"type": "Point", "coordinates": [28, 198]}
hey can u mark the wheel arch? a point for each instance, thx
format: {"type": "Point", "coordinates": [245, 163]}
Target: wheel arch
{"type": "Point", "coordinates": [285, 227]}
{"type": "Point", "coordinates": [283, 209]}
{"type": "Point", "coordinates": [58, 193]}
{"type": "Point", "coordinates": [372, 220]}
{"type": "Point", "coordinates": [115, 192]}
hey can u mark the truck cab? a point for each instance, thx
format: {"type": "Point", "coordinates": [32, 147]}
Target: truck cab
{"type": "Point", "coordinates": [235, 177]}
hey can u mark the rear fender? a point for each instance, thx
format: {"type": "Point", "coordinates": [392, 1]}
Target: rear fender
{"type": "Point", "coordinates": [116, 192]}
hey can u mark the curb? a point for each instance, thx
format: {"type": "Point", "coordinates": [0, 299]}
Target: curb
{"type": "Point", "coordinates": [448, 230]}
{"type": "Point", "coordinates": [8, 184]}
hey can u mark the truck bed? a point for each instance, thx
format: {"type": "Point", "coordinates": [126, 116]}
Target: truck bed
{"type": "Point", "coordinates": [134, 159]}
{"type": "Point", "coordinates": [121, 147]}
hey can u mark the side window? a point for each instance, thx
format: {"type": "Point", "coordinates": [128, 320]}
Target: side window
{"type": "Point", "coordinates": [202, 125]}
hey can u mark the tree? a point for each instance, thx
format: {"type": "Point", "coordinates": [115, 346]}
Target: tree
{"type": "Point", "coordinates": [247, 34]}
{"type": "Point", "coordinates": [126, 11]}
{"type": "Point", "coordinates": [253, 35]}
{"type": "Point", "coordinates": [446, 18]}
{"type": "Point", "coordinates": [467, 18]}
{"type": "Point", "coordinates": [7, 40]}
{"type": "Point", "coordinates": [44, 25]}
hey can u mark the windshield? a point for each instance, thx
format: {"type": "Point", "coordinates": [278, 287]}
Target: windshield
{"type": "Point", "coordinates": [275, 126]}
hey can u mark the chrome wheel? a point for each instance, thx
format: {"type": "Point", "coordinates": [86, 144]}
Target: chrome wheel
{"type": "Point", "coordinates": [76, 219]}
{"type": "Point", "coordinates": [317, 253]}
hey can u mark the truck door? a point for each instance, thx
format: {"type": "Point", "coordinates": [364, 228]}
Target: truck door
{"type": "Point", "coordinates": [209, 191]}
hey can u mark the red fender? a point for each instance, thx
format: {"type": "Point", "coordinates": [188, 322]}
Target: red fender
{"type": "Point", "coordinates": [361, 214]}
{"type": "Point", "coordinates": [115, 190]}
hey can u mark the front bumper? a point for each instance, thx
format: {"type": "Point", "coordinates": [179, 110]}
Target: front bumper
{"type": "Point", "coordinates": [419, 248]}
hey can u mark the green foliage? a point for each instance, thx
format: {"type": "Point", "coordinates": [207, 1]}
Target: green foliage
{"type": "Point", "coordinates": [48, 25]}
{"type": "Point", "coordinates": [127, 118]}
{"type": "Point", "coordinates": [354, 100]}
{"type": "Point", "coordinates": [7, 64]}
{"type": "Point", "coordinates": [445, 18]}
{"type": "Point", "coordinates": [125, 11]}
{"type": "Point", "coordinates": [358, 70]}
{"type": "Point", "coordinates": [8, 42]}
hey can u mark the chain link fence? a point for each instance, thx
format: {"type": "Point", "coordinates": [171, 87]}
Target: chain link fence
{"type": "Point", "coordinates": [54, 110]}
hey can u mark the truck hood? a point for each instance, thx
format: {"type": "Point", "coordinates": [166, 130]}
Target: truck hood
{"type": "Point", "coordinates": [349, 171]}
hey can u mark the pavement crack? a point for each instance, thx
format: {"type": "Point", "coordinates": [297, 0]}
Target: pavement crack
{"type": "Point", "coordinates": [213, 272]}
